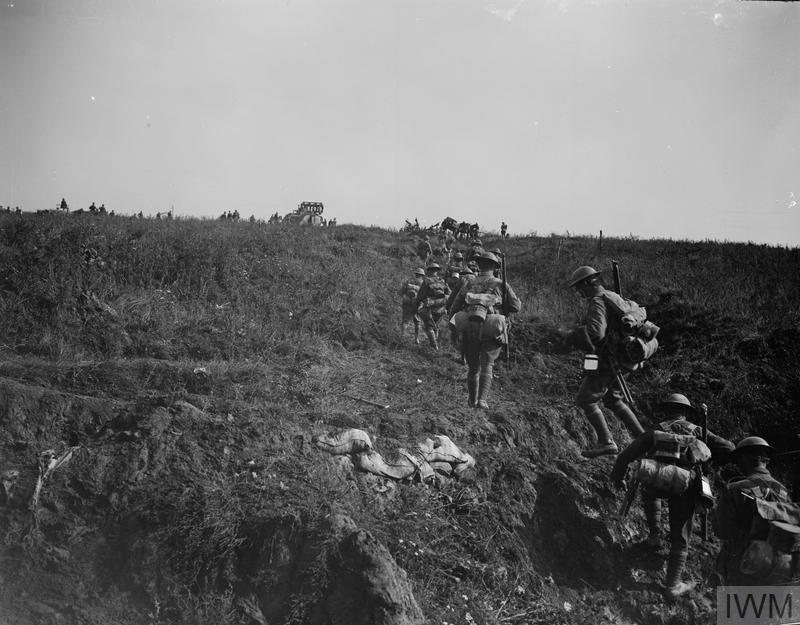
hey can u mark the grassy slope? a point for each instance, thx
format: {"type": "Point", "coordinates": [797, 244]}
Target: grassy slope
{"type": "Point", "coordinates": [192, 361]}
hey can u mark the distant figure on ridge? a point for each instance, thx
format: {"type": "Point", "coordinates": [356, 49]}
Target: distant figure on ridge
{"type": "Point", "coordinates": [504, 230]}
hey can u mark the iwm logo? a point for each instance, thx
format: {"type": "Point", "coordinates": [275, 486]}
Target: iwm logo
{"type": "Point", "coordinates": [758, 605]}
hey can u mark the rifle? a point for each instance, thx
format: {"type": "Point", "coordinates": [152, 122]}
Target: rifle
{"type": "Point", "coordinates": [615, 273]}
{"type": "Point", "coordinates": [704, 518]}
{"type": "Point", "coordinates": [630, 496]}
{"type": "Point", "coordinates": [506, 346]}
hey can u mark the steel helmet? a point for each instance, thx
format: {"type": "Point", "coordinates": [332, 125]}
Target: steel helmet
{"type": "Point", "coordinates": [581, 274]}
{"type": "Point", "coordinates": [752, 443]}
{"type": "Point", "coordinates": [483, 255]}
{"type": "Point", "coordinates": [466, 271]}
{"type": "Point", "coordinates": [458, 255]}
{"type": "Point", "coordinates": [677, 400]}
{"type": "Point", "coordinates": [477, 242]}
{"type": "Point", "coordinates": [496, 251]}
{"type": "Point", "coordinates": [435, 266]}
{"type": "Point", "coordinates": [419, 271]}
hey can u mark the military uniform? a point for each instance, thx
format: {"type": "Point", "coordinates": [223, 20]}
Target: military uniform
{"type": "Point", "coordinates": [483, 341]}
{"type": "Point", "coordinates": [681, 506]}
{"type": "Point", "coordinates": [602, 385]}
{"type": "Point", "coordinates": [408, 294]}
{"type": "Point", "coordinates": [733, 519]}
{"type": "Point", "coordinates": [431, 303]}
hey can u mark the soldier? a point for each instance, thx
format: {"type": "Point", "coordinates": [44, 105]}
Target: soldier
{"type": "Point", "coordinates": [475, 246]}
{"type": "Point", "coordinates": [431, 302]}
{"type": "Point", "coordinates": [504, 230]}
{"type": "Point", "coordinates": [662, 445]}
{"type": "Point", "coordinates": [408, 293]}
{"type": "Point", "coordinates": [734, 515]}
{"type": "Point", "coordinates": [478, 316]}
{"type": "Point", "coordinates": [453, 271]}
{"type": "Point", "coordinates": [602, 384]}
{"type": "Point", "coordinates": [424, 250]}
{"type": "Point", "coordinates": [497, 252]}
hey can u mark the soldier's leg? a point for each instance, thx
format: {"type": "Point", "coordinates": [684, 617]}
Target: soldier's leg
{"type": "Point", "coordinates": [592, 389]}
{"type": "Point", "coordinates": [472, 353]}
{"type": "Point", "coordinates": [417, 324]}
{"type": "Point", "coordinates": [652, 514]}
{"type": "Point", "coordinates": [489, 352]}
{"type": "Point", "coordinates": [615, 402]}
{"type": "Point", "coordinates": [681, 516]}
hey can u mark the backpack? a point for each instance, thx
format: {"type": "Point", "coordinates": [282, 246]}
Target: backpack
{"type": "Point", "coordinates": [775, 536]}
{"type": "Point", "coordinates": [635, 336]}
{"type": "Point", "coordinates": [410, 292]}
{"type": "Point", "coordinates": [478, 305]}
{"type": "Point", "coordinates": [670, 467]}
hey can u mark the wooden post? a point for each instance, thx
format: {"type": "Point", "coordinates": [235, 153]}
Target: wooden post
{"type": "Point", "coordinates": [600, 242]}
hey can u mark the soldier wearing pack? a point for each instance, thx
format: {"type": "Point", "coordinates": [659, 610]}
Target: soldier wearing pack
{"type": "Point", "coordinates": [751, 555]}
{"type": "Point", "coordinates": [478, 315]}
{"type": "Point", "coordinates": [431, 302]}
{"type": "Point", "coordinates": [600, 334]}
{"type": "Point", "coordinates": [674, 451]}
{"type": "Point", "coordinates": [453, 271]}
{"type": "Point", "coordinates": [424, 249]}
{"type": "Point", "coordinates": [408, 294]}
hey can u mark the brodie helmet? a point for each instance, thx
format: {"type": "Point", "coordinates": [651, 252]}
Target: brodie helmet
{"type": "Point", "coordinates": [419, 271]}
{"type": "Point", "coordinates": [482, 256]}
{"type": "Point", "coordinates": [581, 274]}
{"type": "Point", "coordinates": [676, 400]}
{"type": "Point", "coordinates": [753, 443]}
{"type": "Point", "coordinates": [458, 256]}
{"type": "Point", "coordinates": [433, 266]}
{"type": "Point", "coordinates": [466, 271]}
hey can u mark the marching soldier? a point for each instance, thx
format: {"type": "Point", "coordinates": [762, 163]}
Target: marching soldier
{"type": "Point", "coordinates": [408, 293]}
{"type": "Point", "coordinates": [601, 384]}
{"type": "Point", "coordinates": [669, 444]}
{"type": "Point", "coordinates": [479, 312]}
{"type": "Point", "coordinates": [424, 249]}
{"type": "Point", "coordinates": [431, 302]}
{"type": "Point", "coordinates": [734, 515]}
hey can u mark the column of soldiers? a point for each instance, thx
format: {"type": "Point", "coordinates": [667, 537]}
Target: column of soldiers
{"type": "Point", "coordinates": [477, 303]}
{"type": "Point", "coordinates": [677, 448]}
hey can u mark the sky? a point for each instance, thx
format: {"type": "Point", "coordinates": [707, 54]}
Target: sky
{"type": "Point", "coordinates": [657, 118]}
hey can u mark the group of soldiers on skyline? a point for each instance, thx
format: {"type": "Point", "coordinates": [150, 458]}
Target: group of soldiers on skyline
{"type": "Point", "coordinates": [668, 456]}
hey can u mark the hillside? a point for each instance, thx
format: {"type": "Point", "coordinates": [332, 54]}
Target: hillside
{"type": "Point", "coordinates": [188, 364]}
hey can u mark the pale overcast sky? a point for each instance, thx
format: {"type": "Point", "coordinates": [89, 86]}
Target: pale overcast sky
{"type": "Point", "coordinates": [661, 118]}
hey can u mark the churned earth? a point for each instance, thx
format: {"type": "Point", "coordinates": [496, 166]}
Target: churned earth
{"type": "Point", "coordinates": [161, 384]}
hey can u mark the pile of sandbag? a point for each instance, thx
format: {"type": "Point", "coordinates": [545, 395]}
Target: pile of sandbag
{"type": "Point", "coordinates": [438, 455]}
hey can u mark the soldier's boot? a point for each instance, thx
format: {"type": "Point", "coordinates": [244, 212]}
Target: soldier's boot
{"type": "Point", "coordinates": [673, 586]}
{"type": "Point", "coordinates": [624, 413]}
{"type": "Point", "coordinates": [652, 514]}
{"type": "Point", "coordinates": [484, 386]}
{"type": "Point", "coordinates": [472, 389]}
{"type": "Point", "coordinates": [605, 443]}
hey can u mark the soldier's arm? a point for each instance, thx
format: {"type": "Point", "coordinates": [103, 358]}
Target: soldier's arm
{"type": "Point", "coordinates": [513, 303]}
{"type": "Point", "coordinates": [458, 302]}
{"type": "Point", "coordinates": [721, 448]}
{"type": "Point", "coordinates": [638, 448]}
{"type": "Point", "coordinates": [421, 294]}
{"type": "Point", "coordinates": [596, 321]}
